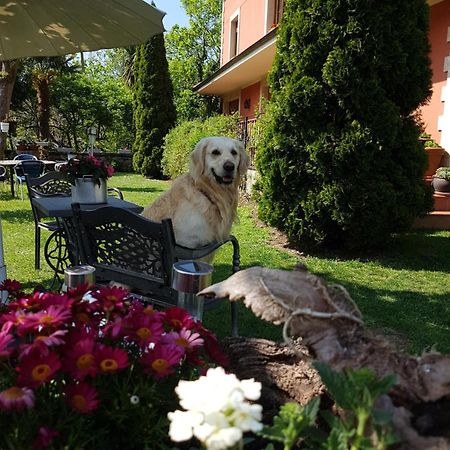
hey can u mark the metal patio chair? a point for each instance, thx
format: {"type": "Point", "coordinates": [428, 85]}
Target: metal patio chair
{"type": "Point", "coordinates": [128, 248]}
{"type": "Point", "coordinates": [27, 168]}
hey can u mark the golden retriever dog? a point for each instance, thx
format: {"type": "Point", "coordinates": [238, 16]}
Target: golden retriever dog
{"type": "Point", "coordinates": [203, 202]}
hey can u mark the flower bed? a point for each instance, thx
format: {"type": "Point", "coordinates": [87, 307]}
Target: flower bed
{"type": "Point", "coordinates": [94, 369]}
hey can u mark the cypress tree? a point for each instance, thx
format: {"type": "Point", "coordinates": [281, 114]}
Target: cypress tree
{"type": "Point", "coordinates": [154, 110]}
{"type": "Point", "coordinates": [340, 159]}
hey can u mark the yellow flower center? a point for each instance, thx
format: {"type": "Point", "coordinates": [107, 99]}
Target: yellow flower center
{"type": "Point", "coordinates": [83, 317]}
{"type": "Point", "coordinates": [159, 365]}
{"type": "Point", "coordinates": [13, 393]}
{"type": "Point", "coordinates": [144, 332]}
{"type": "Point", "coordinates": [108, 365]}
{"type": "Point", "coordinates": [46, 319]}
{"type": "Point", "coordinates": [149, 311]}
{"type": "Point", "coordinates": [79, 402]}
{"type": "Point", "coordinates": [181, 342]}
{"type": "Point", "coordinates": [176, 323]}
{"type": "Point", "coordinates": [41, 372]}
{"type": "Point", "coordinates": [111, 298]}
{"type": "Point", "coordinates": [85, 361]}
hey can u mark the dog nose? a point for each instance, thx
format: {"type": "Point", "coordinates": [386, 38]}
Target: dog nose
{"type": "Point", "coordinates": [228, 166]}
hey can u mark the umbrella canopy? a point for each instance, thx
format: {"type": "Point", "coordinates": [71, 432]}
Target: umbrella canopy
{"type": "Point", "coordinates": [59, 27]}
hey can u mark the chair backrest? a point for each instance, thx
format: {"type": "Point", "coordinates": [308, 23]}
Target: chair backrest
{"type": "Point", "coordinates": [2, 171]}
{"type": "Point", "coordinates": [24, 157]}
{"type": "Point", "coordinates": [128, 248]}
{"type": "Point", "coordinates": [50, 184]}
{"type": "Point", "coordinates": [31, 168]}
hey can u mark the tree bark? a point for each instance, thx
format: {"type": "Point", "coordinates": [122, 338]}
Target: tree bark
{"type": "Point", "coordinates": [8, 76]}
{"type": "Point", "coordinates": [331, 328]}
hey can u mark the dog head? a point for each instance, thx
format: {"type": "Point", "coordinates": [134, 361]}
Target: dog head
{"type": "Point", "coordinates": [222, 159]}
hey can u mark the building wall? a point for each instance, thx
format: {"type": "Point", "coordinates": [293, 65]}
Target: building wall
{"type": "Point", "coordinates": [251, 24]}
{"type": "Point", "coordinates": [249, 102]}
{"type": "Point", "coordinates": [436, 114]}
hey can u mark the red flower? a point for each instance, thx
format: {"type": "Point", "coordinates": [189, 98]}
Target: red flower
{"type": "Point", "coordinates": [12, 319]}
{"type": "Point", "coordinates": [161, 360]}
{"type": "Point", "coordinates": [178, 318]}
{"type": "Point", "coordinates": [12, 286]}
{"type": "Point", "coordinates": [82, 397]}
{"type": "Point", "coordinates": [16, 398]}
{"type": "Point", "coordinates": [111, 297]}
{"type": "Point", "coordinates": [81, 361]}
{"type": "Point", "coordinates": [51, 299]}
{"type": "Point", "coordinates": [44, 438]}
{"type": "Point", "coordinates": [110, 359]}
{"type": "Point", "coordinates": [36, 369]}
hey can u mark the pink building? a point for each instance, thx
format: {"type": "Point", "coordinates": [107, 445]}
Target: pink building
{"type": "Point", "coordinates": [248, 49]}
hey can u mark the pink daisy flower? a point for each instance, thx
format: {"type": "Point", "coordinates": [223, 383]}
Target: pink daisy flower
{"type": "Point", "coordinates": [13, 319]}
{"type": "Point", "coordinates": [110, 359]}
{"type": "Point", "coordinates": [178, 318]}
{"type": "Point", "coordinates": [144, 330]}
{"type": "Point", "coordinates": [5, 347]}
{"type": "Point", "coordinates": [43, 342]}
{"type": "Point", "coordinates": [52, 317]}
{"type": "Point", "coordinates": [111, 297]}
{"type": "Point", "coordinates": [80, 361]}
{"type": "Point", "coordinates": [12, 286]}
{"type": "Point", "coordinates": [186, 339]}
{"type": "Point", "coordinates": [36, 369]}
{"type": "Point", "coordinates": [16, 398]}
{"type": "Point", "coordinates": [82, 397]}
{"type": "Point", "coordinates": [161, 360]}
{"type": "Point", "coordinates": [52, 299]}
{"type": "Point", "coordinates": [44, 438]}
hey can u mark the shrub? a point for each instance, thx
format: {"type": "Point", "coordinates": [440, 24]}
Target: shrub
{"type": "Point", "coordinates": [340, 161]}
{"type": "Point", "coordinates": [181, 140]}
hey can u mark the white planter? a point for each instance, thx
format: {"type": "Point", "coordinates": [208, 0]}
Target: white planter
{"type": "Point", "coordinates": [4, 127]}
{"type": "Point", "coordinates": [87, 192]}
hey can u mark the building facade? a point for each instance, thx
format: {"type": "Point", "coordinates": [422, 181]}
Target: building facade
{"type": "Point", "coordinates": [248, 49]}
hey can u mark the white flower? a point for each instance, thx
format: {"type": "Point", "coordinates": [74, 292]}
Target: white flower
{"type": "Point", "coordinates": [134, 400]}
{"type": "Point", "coordinates": [218, 411]}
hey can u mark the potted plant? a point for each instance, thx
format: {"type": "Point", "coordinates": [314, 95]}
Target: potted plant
{"type": "Point", "coordinates": [434, 153]}
{"type": "Point", "coordinates": [441, 180]}
{"type": "Point", "coordinates": [88, 176]}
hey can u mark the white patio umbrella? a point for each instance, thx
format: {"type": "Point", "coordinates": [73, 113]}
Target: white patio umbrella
{"type": "Point", "coordinates": [59, 27]}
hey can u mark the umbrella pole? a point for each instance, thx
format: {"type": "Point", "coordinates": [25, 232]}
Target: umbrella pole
{"type": "Point", "coordinates": [3, 294]}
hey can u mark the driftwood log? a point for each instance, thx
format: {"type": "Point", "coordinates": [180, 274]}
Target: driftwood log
{"type": "Point", "coordinates": [322, 322]}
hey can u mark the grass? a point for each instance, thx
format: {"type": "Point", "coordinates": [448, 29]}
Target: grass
{"type": "Point", "coordinates": [403, 291]}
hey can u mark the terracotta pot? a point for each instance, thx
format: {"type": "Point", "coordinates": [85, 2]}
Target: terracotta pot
{"type": "Point", "coordinates": [440, 184]}
{"type": "Point", "coordinates": [434, 160]}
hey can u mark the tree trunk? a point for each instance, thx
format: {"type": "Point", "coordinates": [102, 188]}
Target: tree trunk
{"type": "Point", "coordinates": [7, 79]}
{"type": "Point", "coordinates": [43, 107]}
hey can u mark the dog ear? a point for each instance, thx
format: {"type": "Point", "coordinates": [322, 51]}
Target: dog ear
{"type": "Point", "coordinates": [197, 162]}
{"type": "Point", "coordinates": [244, 160]}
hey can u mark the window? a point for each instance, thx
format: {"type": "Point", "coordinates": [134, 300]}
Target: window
{"type": "Point", "coordinates": [274, 13]}
{"type": "Point", "coordinates": [234, 36]}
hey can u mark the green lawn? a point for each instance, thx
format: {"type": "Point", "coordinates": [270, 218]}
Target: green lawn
{"type": "Point", "coordinates": [404, 291]}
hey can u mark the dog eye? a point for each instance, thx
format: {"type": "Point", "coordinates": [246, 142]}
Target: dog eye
{"type": "Point", "coordinates": [215, 152]}
{"type": "Point", "coordinates": [234, 152]}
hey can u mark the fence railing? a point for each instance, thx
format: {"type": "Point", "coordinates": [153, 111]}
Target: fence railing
{"type": "Point", "coordinates": [247, 133]}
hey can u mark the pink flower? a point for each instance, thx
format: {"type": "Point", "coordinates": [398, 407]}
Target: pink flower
{"type": "Point", "coordinates": [111, 297]}
{"type": "Point", "coordinates": [5, 347]}
{"type": "Point", "coordinates": [12, 319]}
{"type": "Point", "coordinates": [52, 317]}
{"type": "Point", "coordinates": [145, 330]}
{"type": "Point", "coordinates": [109, 171]}
{"type": "Point", "coordinates": [186, 339]}
{"type": "Point", "coordinates": [80, 360]}
{"type": "Point", "coordinates": [36, 369]}
{"type": "Point", "coordinates": [12, 286]}
{"type": "Point", "coordinates": [178, 318]}
{"type": "Point", "coordinates": [110, 359]}
{"type": "Point", "coordinates": [82, 397]}
{"type": "Point", "coordinates": [51, 299]}
{"type": "Point", "coordinates": [44, 438]}
{"type": "Point", "coordinates": [16, 398]}
{"type": "Point", "coordinates": [43, 342]}
{"type": "Point", "coordinates": [161, 360]}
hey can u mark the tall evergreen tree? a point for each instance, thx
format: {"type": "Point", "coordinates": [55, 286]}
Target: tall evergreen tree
{"type": "Point", "coordinates": [154, 111]}
{"type": "Point", "coordinates": [340, 159]}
